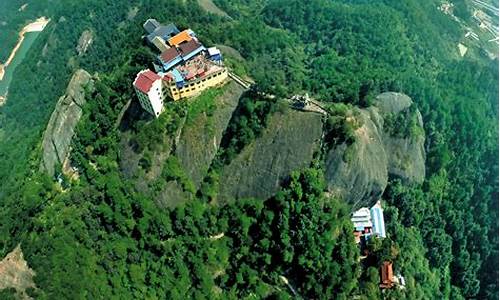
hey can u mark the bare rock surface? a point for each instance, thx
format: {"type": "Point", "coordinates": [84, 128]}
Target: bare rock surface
{"type": "Point", "coordinates": [359, 172]}
{"type": "Point", "coordinates": [200, 140]}
{"type": "Point", "coordinates": [287, 144]}
{"type": "Point", "coordinates": [60, 129]}
{"type": "Point", "coordinates": [15, 273]}
{"type": "Point", "coordinates": [407, 155]}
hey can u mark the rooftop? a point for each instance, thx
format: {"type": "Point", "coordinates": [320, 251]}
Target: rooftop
{"type": "Point", "coordinates": [195, 68]}
{"type": "Point", "coordinates": [361, 219]}
{"type": "Point", "coordinates": [386, 275]}
{"type": "Point", "coordinates": [145, 79]}
{"type": "Point", "coordinates": [377, 214]}
{"type": "Point", "coordinates": [213, 51]}
{"type": "Point", "coordinates": [181, 37]}
{"type": "Point", "coordinates": [187, 48]}
{"type": "Point", "coordinates": [163, 31]}
{"type": "Point", "coordinates": [150, 25]}
{"type": "Point", "coordinates": [169, 55]}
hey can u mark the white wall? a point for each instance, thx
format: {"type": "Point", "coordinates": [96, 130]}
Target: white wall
{"type": "Point", "coordinates": [156, 98]}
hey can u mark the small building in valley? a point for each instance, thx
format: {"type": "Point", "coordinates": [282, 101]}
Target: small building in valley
{"type": "Point", "coordinates": [387, 278]}
{"type": "Point", "coordinates": [386, 275]}
{"type": "Point", "coordinates": [369, 222]}
{"type": "Point", "coordinates": [361, 220]}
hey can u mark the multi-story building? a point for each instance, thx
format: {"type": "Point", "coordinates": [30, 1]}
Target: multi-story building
{"type": "Point", "coordinates": [189, 79]}
{"type": "Point", "coordinates": [148, 87]}
{"type": "Point", "coordinates": [184, 67]}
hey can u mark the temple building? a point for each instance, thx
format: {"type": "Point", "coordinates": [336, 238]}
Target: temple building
{"type": "Point", "coordinates": [183, 69]}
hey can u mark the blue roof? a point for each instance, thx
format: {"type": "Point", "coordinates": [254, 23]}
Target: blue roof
{"type": "Point", "coordinates": [168, 66]}
{"type": "Point", "coordinates": [177, 75]}
{"type": "Point", "coordinates": [378, 221]}
{"type": "Point", "coordinates": [193, 53]}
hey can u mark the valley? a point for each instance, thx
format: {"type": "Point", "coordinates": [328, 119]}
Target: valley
{"type": "Point", "coordinates": [26, 38]}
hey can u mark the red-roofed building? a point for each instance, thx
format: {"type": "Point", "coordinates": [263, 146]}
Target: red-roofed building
{"type": "Point", "coordinates": [148, 88]}
{"type": "Point", "coordinates": [190, 49]}
{"type": "Point", "coordinates": [386, 275]}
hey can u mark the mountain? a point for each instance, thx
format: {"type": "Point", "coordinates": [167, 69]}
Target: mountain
{"type": "Point", "coordinates": [248, 192]}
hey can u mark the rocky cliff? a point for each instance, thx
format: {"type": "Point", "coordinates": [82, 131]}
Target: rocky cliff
{"type": "Point", "coordinates": [200, 140]}
{"type": "Point", "coordinates": [194, 146]}
{"type": "Point", "coordinates": [359, 172]}
{"type": "Point", "coordinates": [60, 129]}
{"type": "Point", "coordinates": [287, 144]}
{"type": "Point", "coordinates": [407, 154]}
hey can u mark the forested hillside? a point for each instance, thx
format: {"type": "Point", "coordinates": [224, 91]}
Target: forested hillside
{"type": "Point", "coordinates": [103, 237]}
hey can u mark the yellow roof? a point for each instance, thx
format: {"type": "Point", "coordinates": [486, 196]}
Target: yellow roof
{"type": "Point", "coordinates": [179, 38]}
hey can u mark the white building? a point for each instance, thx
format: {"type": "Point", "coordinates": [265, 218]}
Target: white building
{"type": "Point", "coordinates": [361, 219]}
{"type": "Point", "coordinates": [369, 221]}
{"type": "Point", "coordinates": [148, 87]}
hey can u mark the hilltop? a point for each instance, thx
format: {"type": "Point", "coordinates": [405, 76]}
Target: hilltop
{"type": "Point", "coordinates": [247, 190]}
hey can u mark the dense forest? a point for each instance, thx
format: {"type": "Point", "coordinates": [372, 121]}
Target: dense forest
{"type": "Point", "coordinates": [102, 238]}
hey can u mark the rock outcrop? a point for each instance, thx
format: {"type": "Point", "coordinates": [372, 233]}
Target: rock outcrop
{"type": "Point", "coordinates": [359, 172]}
{"type": "Point", "coordinates": [60, 129]}
{"type": "Point", "coordinates": [195, 145]}
{"type": "Point", "coordinates": [84, 42]}
{"type": "Point", "coordinates": [15, 273]}
{"type": "Point", "coordinates": [406, 156]}
{"type": "Point", "coordinates": [287, 144]}
{"type": "Point", "coordinates": [199, 141]}
{"type": "Point", "coordinates": [356, 172]}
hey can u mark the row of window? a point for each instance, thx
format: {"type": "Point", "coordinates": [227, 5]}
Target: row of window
{"type": "Point", "coordinates": [200, 81]}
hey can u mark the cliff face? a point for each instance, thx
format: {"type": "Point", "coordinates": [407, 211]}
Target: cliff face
{"type": "Point", "coordinates": [359, 172]}
{"type": "Point", "coordinates": [194, 145]}
{"type": "Point", "coordinates": [407, 154]}
{"type": "Point", "coordinates": [287, 144]}
{"type": "Point", "coordinates": [200, 140]}
{"type": "Point", "coordinates": [60, 129]}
